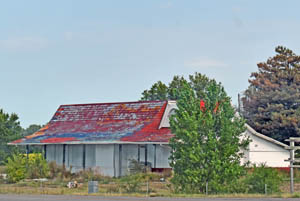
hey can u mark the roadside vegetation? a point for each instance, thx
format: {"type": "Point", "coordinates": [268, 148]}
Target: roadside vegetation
{"type": "Point", "coordinates": [54, 179]}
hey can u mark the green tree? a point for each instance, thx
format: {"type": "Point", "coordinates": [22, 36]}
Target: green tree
{"type": "Point", "coordinates": [160, 91]}
{"type": "Point", "coordinates": [206, 144]}
{"type": "Point", "coordinates": [271, 104]}
{"type": "Point", "coordinates": [31, 129]}
{"type": "Point", "coordinates": [10, 130]}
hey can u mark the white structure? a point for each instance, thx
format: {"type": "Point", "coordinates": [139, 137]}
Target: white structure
{"type": "Point", "coordinates": [263, 149]}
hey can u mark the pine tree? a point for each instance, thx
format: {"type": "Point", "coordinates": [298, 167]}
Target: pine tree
{"type": "Point", "coordinates": [206, 144]}
{"type": "Point", "coordinates": [271, 103]}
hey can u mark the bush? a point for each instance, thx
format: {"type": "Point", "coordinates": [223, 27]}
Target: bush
{"type": "Point", "coordinates": [18, 167]}
{"type": "Point", "coordinates": [59, 171]}
{"type": "Point", "coordinates": [37, 166]}
{"type": "Point", "coordinates": [131, 183]}
{"type": "Point", "coordinates": [261, 175]}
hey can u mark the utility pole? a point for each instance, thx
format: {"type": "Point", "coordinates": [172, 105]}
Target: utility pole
{"type": "Point", "coordinates": [292, 159]}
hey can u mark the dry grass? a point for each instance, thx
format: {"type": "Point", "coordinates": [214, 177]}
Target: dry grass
{"type": "Point", "coordinates": [157, 189]}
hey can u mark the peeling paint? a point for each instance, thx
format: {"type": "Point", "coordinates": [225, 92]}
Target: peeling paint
{"type": "Point", "coordinates": [130, 122]}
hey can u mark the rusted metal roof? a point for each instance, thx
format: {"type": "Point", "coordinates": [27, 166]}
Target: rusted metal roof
{"type": "Point", "coordinates": [127, 122]}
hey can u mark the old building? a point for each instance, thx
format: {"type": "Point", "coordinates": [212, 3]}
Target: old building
{"type": "Point", "coordinates": [106, 136]}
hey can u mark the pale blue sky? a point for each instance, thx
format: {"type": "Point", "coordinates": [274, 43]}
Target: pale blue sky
{"type": "Point", "coordinates": [64, 52]}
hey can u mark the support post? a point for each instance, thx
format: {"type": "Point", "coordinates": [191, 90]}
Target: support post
{"type": "Point", "coordinates": [292, 158]}
{"type": "Point", "coordinates": [27, 151]}
{"type": "Point", "coordinates": [266, 189]}
{"type": "Point", "coordinates": [27, 156]}
{"type": "Point", "coordinates": [83, 160]}
{"type": "Point", "coordinates": [139, 154]}
{"type": "Point", "coordinates": [146, 155]}
{"type": "Point", "coordinates": [154, 165]}
{"type": "Point", "coordinates": [45, 152]}
{"type": "Point", "coordinates": [64, 155]}
{"type": "Point", "coordinates": [114, 160]}
{"type": "Point", "coordinates": [120, 160]}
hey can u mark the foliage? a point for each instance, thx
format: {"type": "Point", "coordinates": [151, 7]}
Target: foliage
{"type": "Point", "coordinates": [10, 130]}
{"type": "Point", "coordinates": [19, 167]}
{"type": "Point", "coordinates": [37, 166]}
{"type": "Point", "coordinates": [271, 103]}
{"type": "Point", "coordinates": [131, 183]}
{"type": "Point", "coordinates": [206, 144]}
{"type": "Point", "coordinates": [160, 91]}
{"type": "Point", "coordinates": [261, 175]}
{"type": "Point", "coordinates": [16, 168]}
{"type": "Point", "coordinates": [136, 167]}
{"type": "Point", "coordinates": [31, 129]}
{"type": "Point", "coordinates": [59, 171]}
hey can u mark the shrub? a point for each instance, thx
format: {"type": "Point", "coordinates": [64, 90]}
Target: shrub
{"type": "Point", "coordinates": [131, 183]}
{"type": "Point", "coordinates": [59, 171]}
{"type": "Point", "coordinates": [37, 166]}
{"type": "Point", "coordinates": [261, 175]}
{"type": "Point", "coordinates": [16, 168]}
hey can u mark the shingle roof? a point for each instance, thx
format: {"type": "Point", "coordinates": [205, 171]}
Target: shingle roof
{"type": "Point", "coordinates": [103, 123]}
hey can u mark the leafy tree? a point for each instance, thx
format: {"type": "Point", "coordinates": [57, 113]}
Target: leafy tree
{"type": "Point", "coordinates": [206, 144]}
{"type": "Point", "coordinates": [31, 129]}
{"type": "Point", "coordinates": [271, 103]}
{"type": "Point", "coordinates": [10, 130]}
{"type": "Point", "coordinates": [160, 91]}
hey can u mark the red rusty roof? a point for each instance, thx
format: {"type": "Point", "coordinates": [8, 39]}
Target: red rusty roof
{"type": "Point", "coordinates": [104, 123]}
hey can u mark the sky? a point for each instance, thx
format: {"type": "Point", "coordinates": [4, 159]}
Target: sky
{"type": "Point", "coordinates": [65, 52]}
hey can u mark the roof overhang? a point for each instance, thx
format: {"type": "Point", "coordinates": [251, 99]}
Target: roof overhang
{"type": "Point", "coordinates": [93, 142]}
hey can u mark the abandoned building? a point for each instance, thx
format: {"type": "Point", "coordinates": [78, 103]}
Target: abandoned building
{"type": "Point", "coordinates": [107, 136]}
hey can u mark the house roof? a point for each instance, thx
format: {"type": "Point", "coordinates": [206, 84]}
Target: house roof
{"type": "Point", "coordinates": [250, 129]}
{"type": "Point", "coordinates": [126, 122]}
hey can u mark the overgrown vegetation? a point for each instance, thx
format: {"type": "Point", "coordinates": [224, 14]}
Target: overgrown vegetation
{"type": "Point", "coordinates": [263, 179]}
{"type": "Point", "coordinates": [19, 167]}
{"type": "Point", "coordinates": [138, 183]}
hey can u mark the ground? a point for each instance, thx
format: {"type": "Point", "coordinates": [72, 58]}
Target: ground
{"type": "Point", "coordinates": [100, 198]}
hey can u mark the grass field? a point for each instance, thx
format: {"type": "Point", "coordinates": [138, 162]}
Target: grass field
{"type": "Point", "coordinates": [155, 189]}
{"type": "Point", "coordinates": [120, 187]}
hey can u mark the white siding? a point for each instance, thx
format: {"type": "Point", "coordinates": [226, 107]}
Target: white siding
{"type": "Point", "coordinates": [264, 151]}
{"type": "Point", "coordinates": [54, 153]}
{"type": "Point", "coordinates": [104, 159]}
{"type": "Point", "coordinates": [163, 153]}
{"type": "Point", "coordinates": [74, 157]}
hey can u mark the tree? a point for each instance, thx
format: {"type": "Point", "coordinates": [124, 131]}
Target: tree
{"type": "Point", "coordinates": [206, 144]}
{"type": "Point", "coordinates": [10, 130]}
{"type": "Point", "coordinates": [271, 104]}
{"type": "Point", "coordinates": [160, 91]}
{"type": "Point", "coordinates": [31, 129]}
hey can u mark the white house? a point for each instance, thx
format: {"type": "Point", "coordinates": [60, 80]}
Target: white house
{"type": "Point", "coordinates": [106, 136]}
